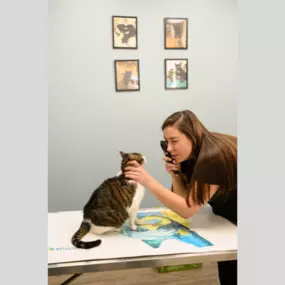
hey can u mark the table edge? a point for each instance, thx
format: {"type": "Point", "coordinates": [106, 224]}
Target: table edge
{"type": "Point", "coordinates": [138, 262]}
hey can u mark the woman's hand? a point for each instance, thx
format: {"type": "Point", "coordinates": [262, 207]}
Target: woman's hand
{"type": "Point", "coordinates": [170, 167]}
{"type": "Point", "coordinates": [137, 173]}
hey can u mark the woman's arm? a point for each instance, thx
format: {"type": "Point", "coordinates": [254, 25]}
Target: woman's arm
{"type": "Point", "coordinates": [178, 186]}
{"type": "Point", "coordinates": [174, 201]}
{"type": "Point", "coordinates": [171, 200]}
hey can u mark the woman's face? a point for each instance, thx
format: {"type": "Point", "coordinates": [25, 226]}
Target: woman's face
{"type": "Point", "coordinates": [179, 146]}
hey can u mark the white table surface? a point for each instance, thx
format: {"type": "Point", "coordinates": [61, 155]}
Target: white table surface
{"type": "Point", "coordinates": [120, 252]}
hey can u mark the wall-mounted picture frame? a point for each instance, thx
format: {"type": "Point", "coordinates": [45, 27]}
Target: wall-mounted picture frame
{"type": "Point", "coordinates": [176, 73]}
{"type": "Point", "coordinates": [127, 75]}
{"type": "Point", "coordinates": [175, 33]}
{"type": "Point", "coordinates": [125, 32]}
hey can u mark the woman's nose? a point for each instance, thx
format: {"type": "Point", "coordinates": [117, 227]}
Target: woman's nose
{"type": "Point", "coordinates": [169, 148]}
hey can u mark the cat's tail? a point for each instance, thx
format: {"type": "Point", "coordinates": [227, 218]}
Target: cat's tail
{"type": "Point", "coordinates": [83, 231]}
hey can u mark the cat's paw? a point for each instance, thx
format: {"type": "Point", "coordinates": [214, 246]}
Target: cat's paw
{"type": "Point", "coordinates": [133, 227]}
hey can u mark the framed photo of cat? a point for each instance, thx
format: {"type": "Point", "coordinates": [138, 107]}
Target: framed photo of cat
{"type": "Point", "coordinates": [175, 33]}
{"type": "Point", "coordinates": [127, 75]}
{"type": "Point", "coordinates": [125, 32]}
{"type": "Point", "coordinates": [176, 73]}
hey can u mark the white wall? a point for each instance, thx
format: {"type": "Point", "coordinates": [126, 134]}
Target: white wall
{"type": "Point", "coordinates": [89, 122]}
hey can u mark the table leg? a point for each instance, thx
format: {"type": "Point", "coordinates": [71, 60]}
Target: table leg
{"type": "Point", "coordinates": [72, 278]}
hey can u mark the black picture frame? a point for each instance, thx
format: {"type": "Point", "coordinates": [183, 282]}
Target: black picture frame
{"type": "Point", "coordinates": [181, 75]}
{"type": "Point", "coordinates": [129, 29]}
{"type": "Point", "coordinates": [167, 31]}
{"type": "Point", "coordinates": [122, 79]}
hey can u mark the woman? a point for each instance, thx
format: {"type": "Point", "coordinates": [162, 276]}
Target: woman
{"type": "Point", "coordinates": [207, 163]}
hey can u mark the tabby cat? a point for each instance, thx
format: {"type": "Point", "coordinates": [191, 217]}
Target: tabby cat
{"type": "Point", "coordinates": [111, 204]}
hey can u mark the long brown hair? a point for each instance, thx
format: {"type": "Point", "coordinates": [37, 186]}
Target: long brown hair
{"type": "Point", "coordinates": [209, 147]}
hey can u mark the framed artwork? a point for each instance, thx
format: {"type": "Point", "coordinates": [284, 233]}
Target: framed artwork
{"type": "Point", "coordinates": [175, 33]}
{"type": "Point", "coordinates": [176, 74]}
{"type": "Point", "coordinates": [125, 32]}
{"type": "Point", "coordinates": [127, 75]}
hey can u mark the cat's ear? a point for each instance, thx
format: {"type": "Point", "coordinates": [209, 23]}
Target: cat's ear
{"type": "Point", "coordinates": [122, 153]}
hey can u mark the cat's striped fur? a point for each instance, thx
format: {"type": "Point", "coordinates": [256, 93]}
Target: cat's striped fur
{"type": "Point", "coordinates": [111, 204]}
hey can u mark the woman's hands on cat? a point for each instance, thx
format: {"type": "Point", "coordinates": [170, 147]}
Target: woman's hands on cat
{"type": "Point", "coordinates": [137, 173]}
{"type": "Point", "coordinates": [170, 167]}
